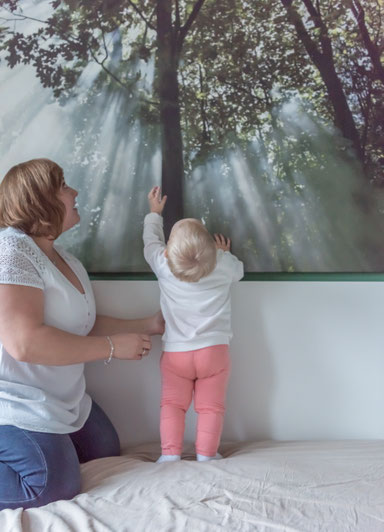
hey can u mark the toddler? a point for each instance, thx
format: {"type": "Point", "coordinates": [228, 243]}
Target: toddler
{"type": "Point", "coordinates": [195, 272]}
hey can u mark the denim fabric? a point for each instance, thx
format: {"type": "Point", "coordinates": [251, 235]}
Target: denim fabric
{"type": "Point", "coordinates": [37, 467]}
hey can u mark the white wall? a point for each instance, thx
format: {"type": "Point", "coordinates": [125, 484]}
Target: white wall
{"type": "Point", "coordinates": [307, 362]}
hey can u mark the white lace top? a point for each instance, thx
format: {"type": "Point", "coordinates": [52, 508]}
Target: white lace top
{"type": "Point", "coordinates": [33, 396]}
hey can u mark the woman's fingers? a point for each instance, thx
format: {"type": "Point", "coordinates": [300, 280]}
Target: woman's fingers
{"type": "Point", "coordinates": [146, 345]}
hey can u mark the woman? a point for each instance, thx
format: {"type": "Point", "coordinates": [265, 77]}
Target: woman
{"type": "Point", "coordinates": [48, 329]}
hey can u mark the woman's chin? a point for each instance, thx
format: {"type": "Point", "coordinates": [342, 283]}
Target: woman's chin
{"type": "Point", "coordinates": [74, 221]}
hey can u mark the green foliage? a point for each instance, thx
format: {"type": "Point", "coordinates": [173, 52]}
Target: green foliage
{"type": "Point", "coordinates": [239, 63]}
{"type": "Point", "coordinates": [257, 62]}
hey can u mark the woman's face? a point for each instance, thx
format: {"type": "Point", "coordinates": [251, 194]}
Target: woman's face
{"type": "Point", "coordinates": [68, 196]}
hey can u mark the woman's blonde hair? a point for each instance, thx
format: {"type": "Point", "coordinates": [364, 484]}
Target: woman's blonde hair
{"type": "Point", "coordinates": [28, 198]}
{"type": "Point", "coordinates": [191, 251]}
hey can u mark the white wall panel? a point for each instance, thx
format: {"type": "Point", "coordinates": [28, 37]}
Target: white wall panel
{"type": "Point", "coordinates": [307, 362]}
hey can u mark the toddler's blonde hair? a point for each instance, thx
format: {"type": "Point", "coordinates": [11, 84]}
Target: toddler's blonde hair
{"type": "Point", "coordinates": [191, 251]}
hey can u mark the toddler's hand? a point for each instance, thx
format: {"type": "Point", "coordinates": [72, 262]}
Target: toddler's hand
{"type": "Point", "coordinates": [156, 203]}
{"type": "Point", "coordinates": [222, 242]}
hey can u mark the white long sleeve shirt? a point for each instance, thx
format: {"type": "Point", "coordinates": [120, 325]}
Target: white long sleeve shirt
{"type": "Point", "coordinates": [196, 314]}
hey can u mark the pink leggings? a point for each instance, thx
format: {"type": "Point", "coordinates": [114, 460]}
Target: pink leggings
{"type": "Point", "coordinates": [204, 372]}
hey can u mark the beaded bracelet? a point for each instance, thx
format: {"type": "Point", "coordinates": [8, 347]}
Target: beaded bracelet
{"type": "Point", "coordinates": [108, 360]}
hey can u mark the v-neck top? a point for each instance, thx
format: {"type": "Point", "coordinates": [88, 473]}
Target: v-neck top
{"type": "Point", "coordinates": [40, 397]}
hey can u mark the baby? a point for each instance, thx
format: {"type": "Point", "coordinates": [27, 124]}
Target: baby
{"type": "Point", "coordinates": [195, 273]}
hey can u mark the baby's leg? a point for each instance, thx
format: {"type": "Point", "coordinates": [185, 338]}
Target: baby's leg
{"type": "Point", "coordinates": [213, 368]}
{"type": "Point", "coordinates": [177, 388]}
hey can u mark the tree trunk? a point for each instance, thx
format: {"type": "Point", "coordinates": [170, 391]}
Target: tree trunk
{"type": "Point", "coordinates": [171, 139]}
{"type": "Point", "coordinates": [343, 116]}
{"type": "Point", "coordinates": [372, 48]}
{"type": "Point", "coordinates": [324, 62]}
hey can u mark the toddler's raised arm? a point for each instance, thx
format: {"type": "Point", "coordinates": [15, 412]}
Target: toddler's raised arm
{"type": "Point", "coordinates": [153, 234]}
{"type": "Point", "coordinates": [234, 265]}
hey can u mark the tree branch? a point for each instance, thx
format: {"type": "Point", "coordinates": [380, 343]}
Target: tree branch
{"type": "Point", "coordinates": [202, 105]}
{"type": "Point", "coordinates": [240, 88]}
{"type": "Point", "coordinates": [107, 71]}
{"type": "Point", "coordinates": [378, 34]}
{"type": "Point", "coordinates": [312, 11]}
{"type": "Point", "coordinates": [23, 17]}
{"type": "Point", "coordinates": [372, 48]}
{"type": "Point", "coordinates": [10, 19]}
{"type": "Point", "coordinates": [104, 43]}
{"type": "Point", "coordinates": [70, 39]}
{"type": "Point", "coordinates": [192, 17]}
{"type": "Point", "coordinates": [295, 19]}
{"type": "Point", "coordinates": [318, 21]}
{"type": "Point", "coordinates": [148, 26]}
{"type": "Point", "coordinates": [178, 23]}
{"type": "Point", "coordinates": [139, 12]}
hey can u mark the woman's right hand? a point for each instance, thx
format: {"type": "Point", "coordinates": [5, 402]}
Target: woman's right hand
{"type": "Point", "coordinates": [131, 346]}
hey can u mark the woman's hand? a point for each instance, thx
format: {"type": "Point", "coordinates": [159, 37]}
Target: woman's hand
{"type": "Point", "coordinates": [131, 346]}
{"type": "Point", "coordinates": [222, 242]}
{"type": "Point", "coordinates": [156, 203]}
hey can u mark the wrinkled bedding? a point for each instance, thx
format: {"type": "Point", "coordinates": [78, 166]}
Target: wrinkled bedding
{"type": "Point", "coordinates": [266, 486]}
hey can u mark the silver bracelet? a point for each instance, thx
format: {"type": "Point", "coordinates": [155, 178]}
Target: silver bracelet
{"type": "Point", "coordinates": [108, 360]}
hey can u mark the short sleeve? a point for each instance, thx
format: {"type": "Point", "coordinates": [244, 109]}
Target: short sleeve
{"type": "Point", "coordinates": [16, 267]}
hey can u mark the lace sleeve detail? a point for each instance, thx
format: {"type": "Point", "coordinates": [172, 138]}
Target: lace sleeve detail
{"type": "Point", "coordinates": [17, 264]}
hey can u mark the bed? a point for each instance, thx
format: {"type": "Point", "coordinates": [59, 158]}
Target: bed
{"type": "Point", "coordinates": [267, 486]}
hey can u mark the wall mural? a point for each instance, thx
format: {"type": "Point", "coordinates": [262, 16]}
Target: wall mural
{"type": "Point", "coordinates": [264, 119]}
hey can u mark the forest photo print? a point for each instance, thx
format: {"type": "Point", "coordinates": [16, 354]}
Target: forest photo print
{"type": "Point", "coordinates": [264, 119]}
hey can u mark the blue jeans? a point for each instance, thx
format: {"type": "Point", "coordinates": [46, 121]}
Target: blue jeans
{"type": "Point", "coordinates": [37, 467]}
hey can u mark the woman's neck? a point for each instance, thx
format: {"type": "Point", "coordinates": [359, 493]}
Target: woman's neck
{"type": "Point", "coordinates": [46, 245]}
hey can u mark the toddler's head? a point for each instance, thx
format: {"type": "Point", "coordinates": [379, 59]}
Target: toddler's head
{"type": "Point", "coordinates": [191, 251]}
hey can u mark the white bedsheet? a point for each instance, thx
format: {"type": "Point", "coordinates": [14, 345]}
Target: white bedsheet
{"type": "Point", "coordinates": [266, 486]}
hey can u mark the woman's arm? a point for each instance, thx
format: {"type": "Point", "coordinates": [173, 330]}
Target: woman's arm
{"type": "Point", "coordinates": [107, 325]}
{"type": "Point", "coordinates": [27, 339]}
